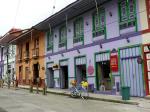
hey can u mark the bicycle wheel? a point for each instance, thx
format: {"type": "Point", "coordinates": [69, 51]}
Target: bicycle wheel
{"type": "Point", "coordinates": [84, 93]}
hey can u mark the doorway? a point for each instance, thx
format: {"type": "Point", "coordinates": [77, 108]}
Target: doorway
{"type": "Point", "coordinates": [64, 77]}
{"type": "Point", "coordinates": [80, 73]}
{"type": "Point", "coordinates": [27, 46]}
{"type": "Point", "coordinates": [103, 75]}
{"type": "Point", "coordinates": [35, 73]}
{"type": "Point", "coordinates": [20, 74]}
{"type": "Point", "coordinates": [50, 78]}
{"type": "Point", "coordinates": [131, 70]}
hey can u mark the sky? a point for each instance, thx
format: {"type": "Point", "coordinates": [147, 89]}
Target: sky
{"type": "Point", "coordinates": [26, 13]}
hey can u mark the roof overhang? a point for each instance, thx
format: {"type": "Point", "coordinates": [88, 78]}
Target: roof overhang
{"type": "Point", "coordinates": [75, 9]}
{"type": "Point", "coordinates": [9, 36]}
{"type": "Point", "coordinates": [27, 34]}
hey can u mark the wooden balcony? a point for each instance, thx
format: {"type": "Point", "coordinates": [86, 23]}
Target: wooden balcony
{"type": "Point", "coordinates": [26, 55]}
{"type": "Point", "coordinates": [35, 53]}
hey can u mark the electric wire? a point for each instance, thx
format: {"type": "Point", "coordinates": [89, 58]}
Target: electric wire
{"type": "Point", "coordinates": [17, 10]}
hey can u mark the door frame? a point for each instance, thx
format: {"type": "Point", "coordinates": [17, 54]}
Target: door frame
{"type": "Point", "coordinates": [67, 59]}
{"type": "Point", "coordinates": [46, 75]}
{"type": "Point", "coordinates": [119, 60]}
{"type": "Point", "coordinates": [75, 75]}
{"type": "Point", "coordinates": [95, 67]}
{"type": "Point", "coordinates": [147, 86]}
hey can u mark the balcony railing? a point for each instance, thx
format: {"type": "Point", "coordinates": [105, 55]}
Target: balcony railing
{"type": "Point", "coordinates": [62, 43]}
{"type": "Point", "coordinates": [35, 52]}
{"type": "Point", "coordinates": [26, 55]}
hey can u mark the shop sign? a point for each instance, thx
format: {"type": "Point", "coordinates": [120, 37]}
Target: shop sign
{"type": "Point", "coordinates": [114, 62]}
{"type": "Point", "coordinates": [56, 67]}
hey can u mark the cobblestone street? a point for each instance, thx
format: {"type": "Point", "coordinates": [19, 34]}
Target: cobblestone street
{"type": "Point", "coordinates": [23, 101]}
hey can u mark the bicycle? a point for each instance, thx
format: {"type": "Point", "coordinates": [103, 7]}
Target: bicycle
{"type": "Point", "coordinates": [79, 91]}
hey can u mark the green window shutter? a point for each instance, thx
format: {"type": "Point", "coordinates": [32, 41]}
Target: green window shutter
{"type": "Point", "coordinates": [78, 30]}
{"type": "Point", "coordinates": [102, 18]}
{"type": "Point", "coordinates": [63, 36]}
{"type": "Point", "coordinates": [123, 10]}
{"type": "Point", "coordinates": [49, 40]}
{"type": "Point", "coordinates": [131, 9]}
{"type": "Point", "coordinates": [127, 13]}
{"type": "Point", "coordinates": [99, 23]}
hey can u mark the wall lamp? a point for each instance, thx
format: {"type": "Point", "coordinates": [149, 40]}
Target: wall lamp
{"type": "Point", "coordinates": [49, 57]}
{"type": "Point", "coordinates": [128, 40]}
{"type": "Point", "coordinates": [69, 30]}
{"type": "Point", "coordinates": [78, 51]}
{"type": "Point", "coordinates": [62, 55]}
{"type": "Point", "coordinates": [87, 23]}
{"type": "Point", "coordinates": [110, 14]}
{"type": "Point", "coordinates": [100, 45]}
{"type": "Point", "coordinates": [55, 35]}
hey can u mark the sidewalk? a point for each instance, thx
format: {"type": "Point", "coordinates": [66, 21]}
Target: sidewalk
{"type": "Point", "coordinates": [100, 97]}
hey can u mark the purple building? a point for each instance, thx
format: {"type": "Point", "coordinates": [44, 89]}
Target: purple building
{"type": "Point", "coordinates": [99, 40]}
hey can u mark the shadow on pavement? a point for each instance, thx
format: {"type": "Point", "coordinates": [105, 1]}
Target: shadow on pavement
{"type": "Point", "coordinates": [2, 110]}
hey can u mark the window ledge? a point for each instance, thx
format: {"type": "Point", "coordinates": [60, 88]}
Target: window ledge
{"type": "Point", "coordinates": [77, 44]}
{"type": "Point", "coordinates": [62, 48]}
{"type": "Point", "coordinates": [99, 38]}
{"type": "Point", "coordinates": [128, 30]}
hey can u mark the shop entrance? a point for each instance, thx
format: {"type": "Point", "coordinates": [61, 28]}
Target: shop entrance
{"type": "Point", "coordinates": [64, 77]}
{"type": "Point", "coordinates": [103, 76]}
{"type": "Point", "coordinates": [131, 70]}
{"type": "Point", "coordinates": [35, 73]}
{"type": "Point", "coordinates": [80, 73]}
{"type": "Point", "coordinates": [50, 78]}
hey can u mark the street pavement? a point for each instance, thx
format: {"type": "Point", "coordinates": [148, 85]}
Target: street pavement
{"type": "Point", "coordinates": [23, 101]}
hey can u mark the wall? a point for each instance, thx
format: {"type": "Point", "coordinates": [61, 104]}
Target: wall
{"type": "Point", "coordinates": [40, 60]}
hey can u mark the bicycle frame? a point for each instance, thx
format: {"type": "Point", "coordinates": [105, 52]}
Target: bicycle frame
{"type": "Point", "coordinates": [77, 91]}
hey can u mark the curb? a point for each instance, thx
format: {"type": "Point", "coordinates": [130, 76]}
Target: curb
{"type": "Point", "coordinates": [90, 97]}
{"type": "Point", "coordinates": [147, 97]}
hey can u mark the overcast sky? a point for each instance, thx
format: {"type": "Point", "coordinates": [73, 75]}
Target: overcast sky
{"type": "Point", "coordinates": [26, 13]}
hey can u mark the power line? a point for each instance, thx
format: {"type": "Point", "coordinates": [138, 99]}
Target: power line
{"type": "Point", "coordinates": [17, 10]}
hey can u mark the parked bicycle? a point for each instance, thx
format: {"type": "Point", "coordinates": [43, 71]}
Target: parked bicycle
{"type": "Point", "coordinates": [78, 90]}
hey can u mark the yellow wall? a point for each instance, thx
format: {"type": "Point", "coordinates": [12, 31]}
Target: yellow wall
{"type": "Point", "coordinates": [40, 59]}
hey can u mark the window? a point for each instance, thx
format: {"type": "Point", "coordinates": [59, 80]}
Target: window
{"type": "Point", "coordinates": [36, 43]}
{"type": "Point", "coordinates": [20, 52]}
{"type": "Point", "coordinates": [49, 41]}
{"type": "Point", "coordinates": [127, 12]}
{"type": "Point", "coordinates": [78, 31]}
{"type": "Point", "coordinates": [62, 36]}
{"type": "Point", "coordinates": [27, 71]}
{"type": "Point", "coordinates": [99, 23]}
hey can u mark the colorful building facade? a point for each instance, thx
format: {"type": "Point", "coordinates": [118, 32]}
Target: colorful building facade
{"type": "Point", "coordinates": [30, 57]}
{"type": "Point", "coordinates": [8, 53]}
{"type": "Point", "coordinates": [146, 45]}
{"type": "Point", "coordinates": [100, 42]}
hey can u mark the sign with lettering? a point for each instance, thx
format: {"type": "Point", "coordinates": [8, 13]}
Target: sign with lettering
{"type": "Point", "coordinates": [114, 62]}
